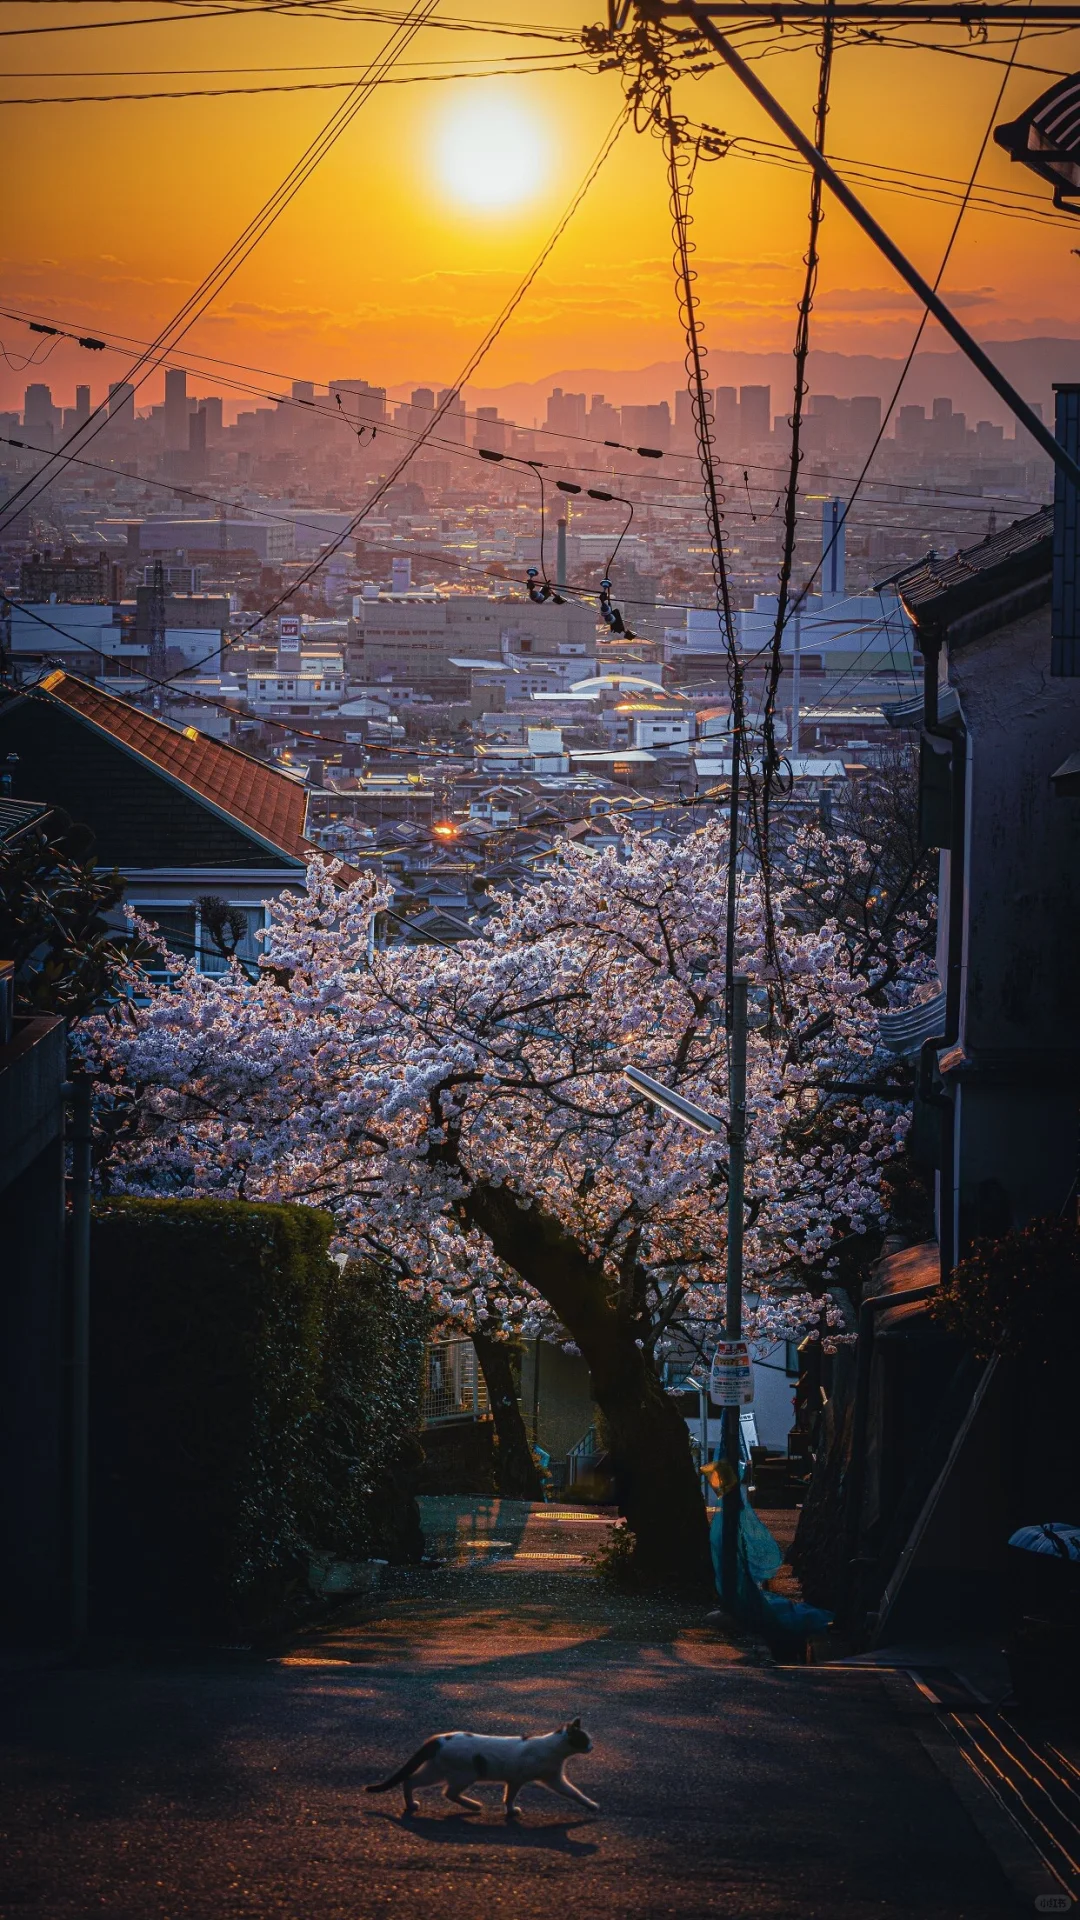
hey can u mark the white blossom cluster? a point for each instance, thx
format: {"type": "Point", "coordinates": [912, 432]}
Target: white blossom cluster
{"type": "Point", "coordinates": [391, 1087]}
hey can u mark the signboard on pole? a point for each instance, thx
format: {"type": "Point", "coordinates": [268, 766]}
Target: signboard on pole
{"type": "Point", "coordinates": [731, 1382]}
{"type": "Point", "coordinates": [289, 633]}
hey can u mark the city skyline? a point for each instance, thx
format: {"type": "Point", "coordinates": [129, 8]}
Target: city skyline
{"type": "Point", "coordinates": [393, 256]}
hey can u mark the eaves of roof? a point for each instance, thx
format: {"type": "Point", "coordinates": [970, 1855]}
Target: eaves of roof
{"type": "Point", "coordinates": [247, 792]}
{"type": "Point", "coordinates": [981, 588]}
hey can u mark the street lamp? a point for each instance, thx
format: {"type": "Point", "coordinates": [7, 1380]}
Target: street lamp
{"type": "Point", "coordinates": [702, 1121]}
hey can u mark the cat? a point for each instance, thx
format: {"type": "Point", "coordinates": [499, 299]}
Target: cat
{"type": "Point", "coordinates": [458, 1760]}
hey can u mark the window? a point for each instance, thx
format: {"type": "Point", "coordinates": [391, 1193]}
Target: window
{"type": "Point", "coordinates": [176, 926]}
{"type": "Point", "coordinates": [212, 960]}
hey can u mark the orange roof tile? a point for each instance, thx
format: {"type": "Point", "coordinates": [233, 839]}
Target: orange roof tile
{"type": "Point", "coordinates": [255, 795]}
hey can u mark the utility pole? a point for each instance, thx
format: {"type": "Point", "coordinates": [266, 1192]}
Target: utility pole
{"type": "Point", "coordinates": [732, 1496]}
{"type": "Point", "coordinates": [796, 681]}
{"type": "Point", "coordinates": [924, 292]}
{"type": "Point", "coordinates": [157, 634]}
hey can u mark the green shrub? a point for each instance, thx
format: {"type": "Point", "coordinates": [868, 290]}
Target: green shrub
{"type": "Point", "coordinates": [365, 1452]}
{"type": "Point", "coordinates": [244, 1410]}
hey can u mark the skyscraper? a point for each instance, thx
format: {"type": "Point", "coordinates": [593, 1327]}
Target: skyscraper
{"type": "Point", "coordinates": [176, 407]}
{"type": "Point", "coordinates": [755, 414]}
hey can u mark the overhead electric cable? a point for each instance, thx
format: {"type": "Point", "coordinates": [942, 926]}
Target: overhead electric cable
{"type": "Point", "coordinates": [921, 328]}
{"type": "Point", "coordinates": [195, 364]}
{"type": "Point", "coordinates": [478, 354]}
{"type": "Point", "coordinates": [762, 796]}
{"type": "Point", "coordinates": [289, 86]}
{"type": "Point", "coordinates": [230, 263]}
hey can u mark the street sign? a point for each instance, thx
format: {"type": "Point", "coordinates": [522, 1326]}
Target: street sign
{"type": "Point", "coordinates": [731, 1382]}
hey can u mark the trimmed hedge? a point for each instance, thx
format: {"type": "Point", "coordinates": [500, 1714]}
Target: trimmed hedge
{"type": "Point", "coordinates": [250, 1405]}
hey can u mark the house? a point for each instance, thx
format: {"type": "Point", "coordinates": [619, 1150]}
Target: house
{"type": "Point", "coordinates": [180, 815]}
{"type": "Point", "coordinates": [939, 1455]}
{"type": "Point", "coordinates": [1004, 1068]}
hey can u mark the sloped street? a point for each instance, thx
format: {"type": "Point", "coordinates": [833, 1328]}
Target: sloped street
{"type": "Point", "coordinates": [232, 1785]}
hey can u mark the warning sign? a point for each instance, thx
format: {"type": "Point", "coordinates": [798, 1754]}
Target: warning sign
{"type": "Point", "coordinates": [731, 1382]}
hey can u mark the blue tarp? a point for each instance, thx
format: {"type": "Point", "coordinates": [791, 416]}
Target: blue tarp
{"type": "Point", "coordinates": [1053, 1536]}
{"type": "Point", "coordinates": [759, 1559]}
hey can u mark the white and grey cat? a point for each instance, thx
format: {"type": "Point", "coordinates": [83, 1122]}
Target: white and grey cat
{"type": "Point", "coordinates": [459, 1760]}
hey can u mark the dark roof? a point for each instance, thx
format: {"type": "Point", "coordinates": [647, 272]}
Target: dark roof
{"type": "Point", "coordinates": [266, 803]}
{"type": "Point", "coordinates": [17, 815]}
{"type": "Point", "coordinates": [982, 587]}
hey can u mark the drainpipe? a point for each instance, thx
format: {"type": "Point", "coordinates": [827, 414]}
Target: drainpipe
{"type": "Point", "coordinates": [957, 738]}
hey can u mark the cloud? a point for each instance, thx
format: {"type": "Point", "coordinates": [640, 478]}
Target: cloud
{"type": "Point", "coordinates": [894, 299]}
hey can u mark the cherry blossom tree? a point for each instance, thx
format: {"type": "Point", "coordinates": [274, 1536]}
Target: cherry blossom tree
{"type": "Point", "coordinates": [465, 1117]}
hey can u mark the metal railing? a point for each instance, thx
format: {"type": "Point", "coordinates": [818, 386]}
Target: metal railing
{"type": "Point", "coordinates": [580, 1458]}
{"type": "Point", "coordinates": [454, 1387]}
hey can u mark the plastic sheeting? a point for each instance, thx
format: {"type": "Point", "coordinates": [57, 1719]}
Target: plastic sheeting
{"type": "Point", "coordinates": [777, 1617]}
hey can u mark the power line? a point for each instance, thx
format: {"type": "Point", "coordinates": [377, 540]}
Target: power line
{"type": "Point", "coordinates": [230, 263]}
{"type": "Point", "coordinates": [829, 476]}
{"type": "Point", "coordinates": [474, 360]}
{"type": "Point", "coordinates": [292, 86]}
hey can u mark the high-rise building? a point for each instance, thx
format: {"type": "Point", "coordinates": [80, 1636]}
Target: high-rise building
{"type": "Point", "coordinates": [362, 404]}
{"type": "Point", "coordinates": [38, 409]}
{"type": "Point", "coordinates": [648, 426]}
{"type": "Point", "coordinates": [565, 412]}
{"type": "Point", "coordinates": [176, 407]}
{"type": "Point", "coordinates": [865, 419]}
{"type": "Point", "coordinates": [755, 414]}
{"type": "Point", "coordinates": [304, 390]}
{"type": "Point", "coordinates": [602, 419]}
{"type": "Point", "coordinates": [122, 403]}
{"type": "Point", "coordinates": [212, 406]}
{"type": "Point", "coordinates": [490, 432]}
{"type": "Point", "coordinates": [452, 424]}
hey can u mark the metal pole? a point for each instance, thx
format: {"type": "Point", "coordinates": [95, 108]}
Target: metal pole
{"type": "Point", "coordinates": [80, 1138]}
{"type": "Point", "coordinates": [732, 1499]}
{"type": "Point", "coordinates": [796, 682]}
{"type": "Point", "coordinates": [992, 374]}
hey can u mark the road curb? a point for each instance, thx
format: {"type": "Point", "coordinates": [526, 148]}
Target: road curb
{"type": "Point", "coordinates": [1032, 1883]}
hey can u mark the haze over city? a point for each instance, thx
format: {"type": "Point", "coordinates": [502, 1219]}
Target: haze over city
{"type": "Point", "coordinates": [539, 1041]}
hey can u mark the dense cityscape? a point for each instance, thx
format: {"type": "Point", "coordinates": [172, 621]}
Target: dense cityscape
{"type": "Point", "coordinates": [539, 1045]}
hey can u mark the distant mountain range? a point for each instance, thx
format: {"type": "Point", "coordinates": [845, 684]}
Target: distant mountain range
{"type": "Point", "coordinates": [1032, 365]}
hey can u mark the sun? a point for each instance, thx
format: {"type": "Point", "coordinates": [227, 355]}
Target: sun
{"type": "Point", "coordinates": [489, 152]}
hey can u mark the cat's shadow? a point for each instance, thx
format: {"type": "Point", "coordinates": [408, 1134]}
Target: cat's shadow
{"type": "Point", "coordinates": [461, 1829]}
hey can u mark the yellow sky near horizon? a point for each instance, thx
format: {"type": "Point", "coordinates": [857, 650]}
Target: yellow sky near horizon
{"type": "Point", "coordinates": [379, 268]}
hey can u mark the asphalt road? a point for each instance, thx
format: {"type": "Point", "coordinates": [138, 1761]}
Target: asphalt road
{"type": "Point", "coordinates": [233, 1786]}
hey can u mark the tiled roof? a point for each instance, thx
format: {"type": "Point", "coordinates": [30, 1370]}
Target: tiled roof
{"type": "Point", "coordinates": [937, 589]}
{"type": "Point", "coordinates": [253, 794]}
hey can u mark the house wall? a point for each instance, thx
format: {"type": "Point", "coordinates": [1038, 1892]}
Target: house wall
{"type": "Point", "coordinates": [1017, 1082]}
{"type": "Point", "coordinates": [34, 1371]}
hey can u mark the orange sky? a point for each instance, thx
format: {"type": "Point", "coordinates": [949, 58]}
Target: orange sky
{"type": "Point", "coordinates": [112, 213]}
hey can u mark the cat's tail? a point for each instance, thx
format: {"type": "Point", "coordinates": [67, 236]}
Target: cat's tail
{"type": "Point", "coordinates": [427, 1752]}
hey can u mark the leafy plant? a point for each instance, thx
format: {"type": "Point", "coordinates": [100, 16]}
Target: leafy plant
{"type": "Point", "coordinates": [1016, 1293]}
{"type": "Point", "coordinates": [615, 1560]}
{"type": "Point", "coordinates": [70, 957]}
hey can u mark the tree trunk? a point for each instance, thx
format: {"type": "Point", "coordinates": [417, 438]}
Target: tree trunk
{"type": "Point", "coordinates": [657, 1486]}
{"type": "Point", "coordinates": [518, 1473]}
